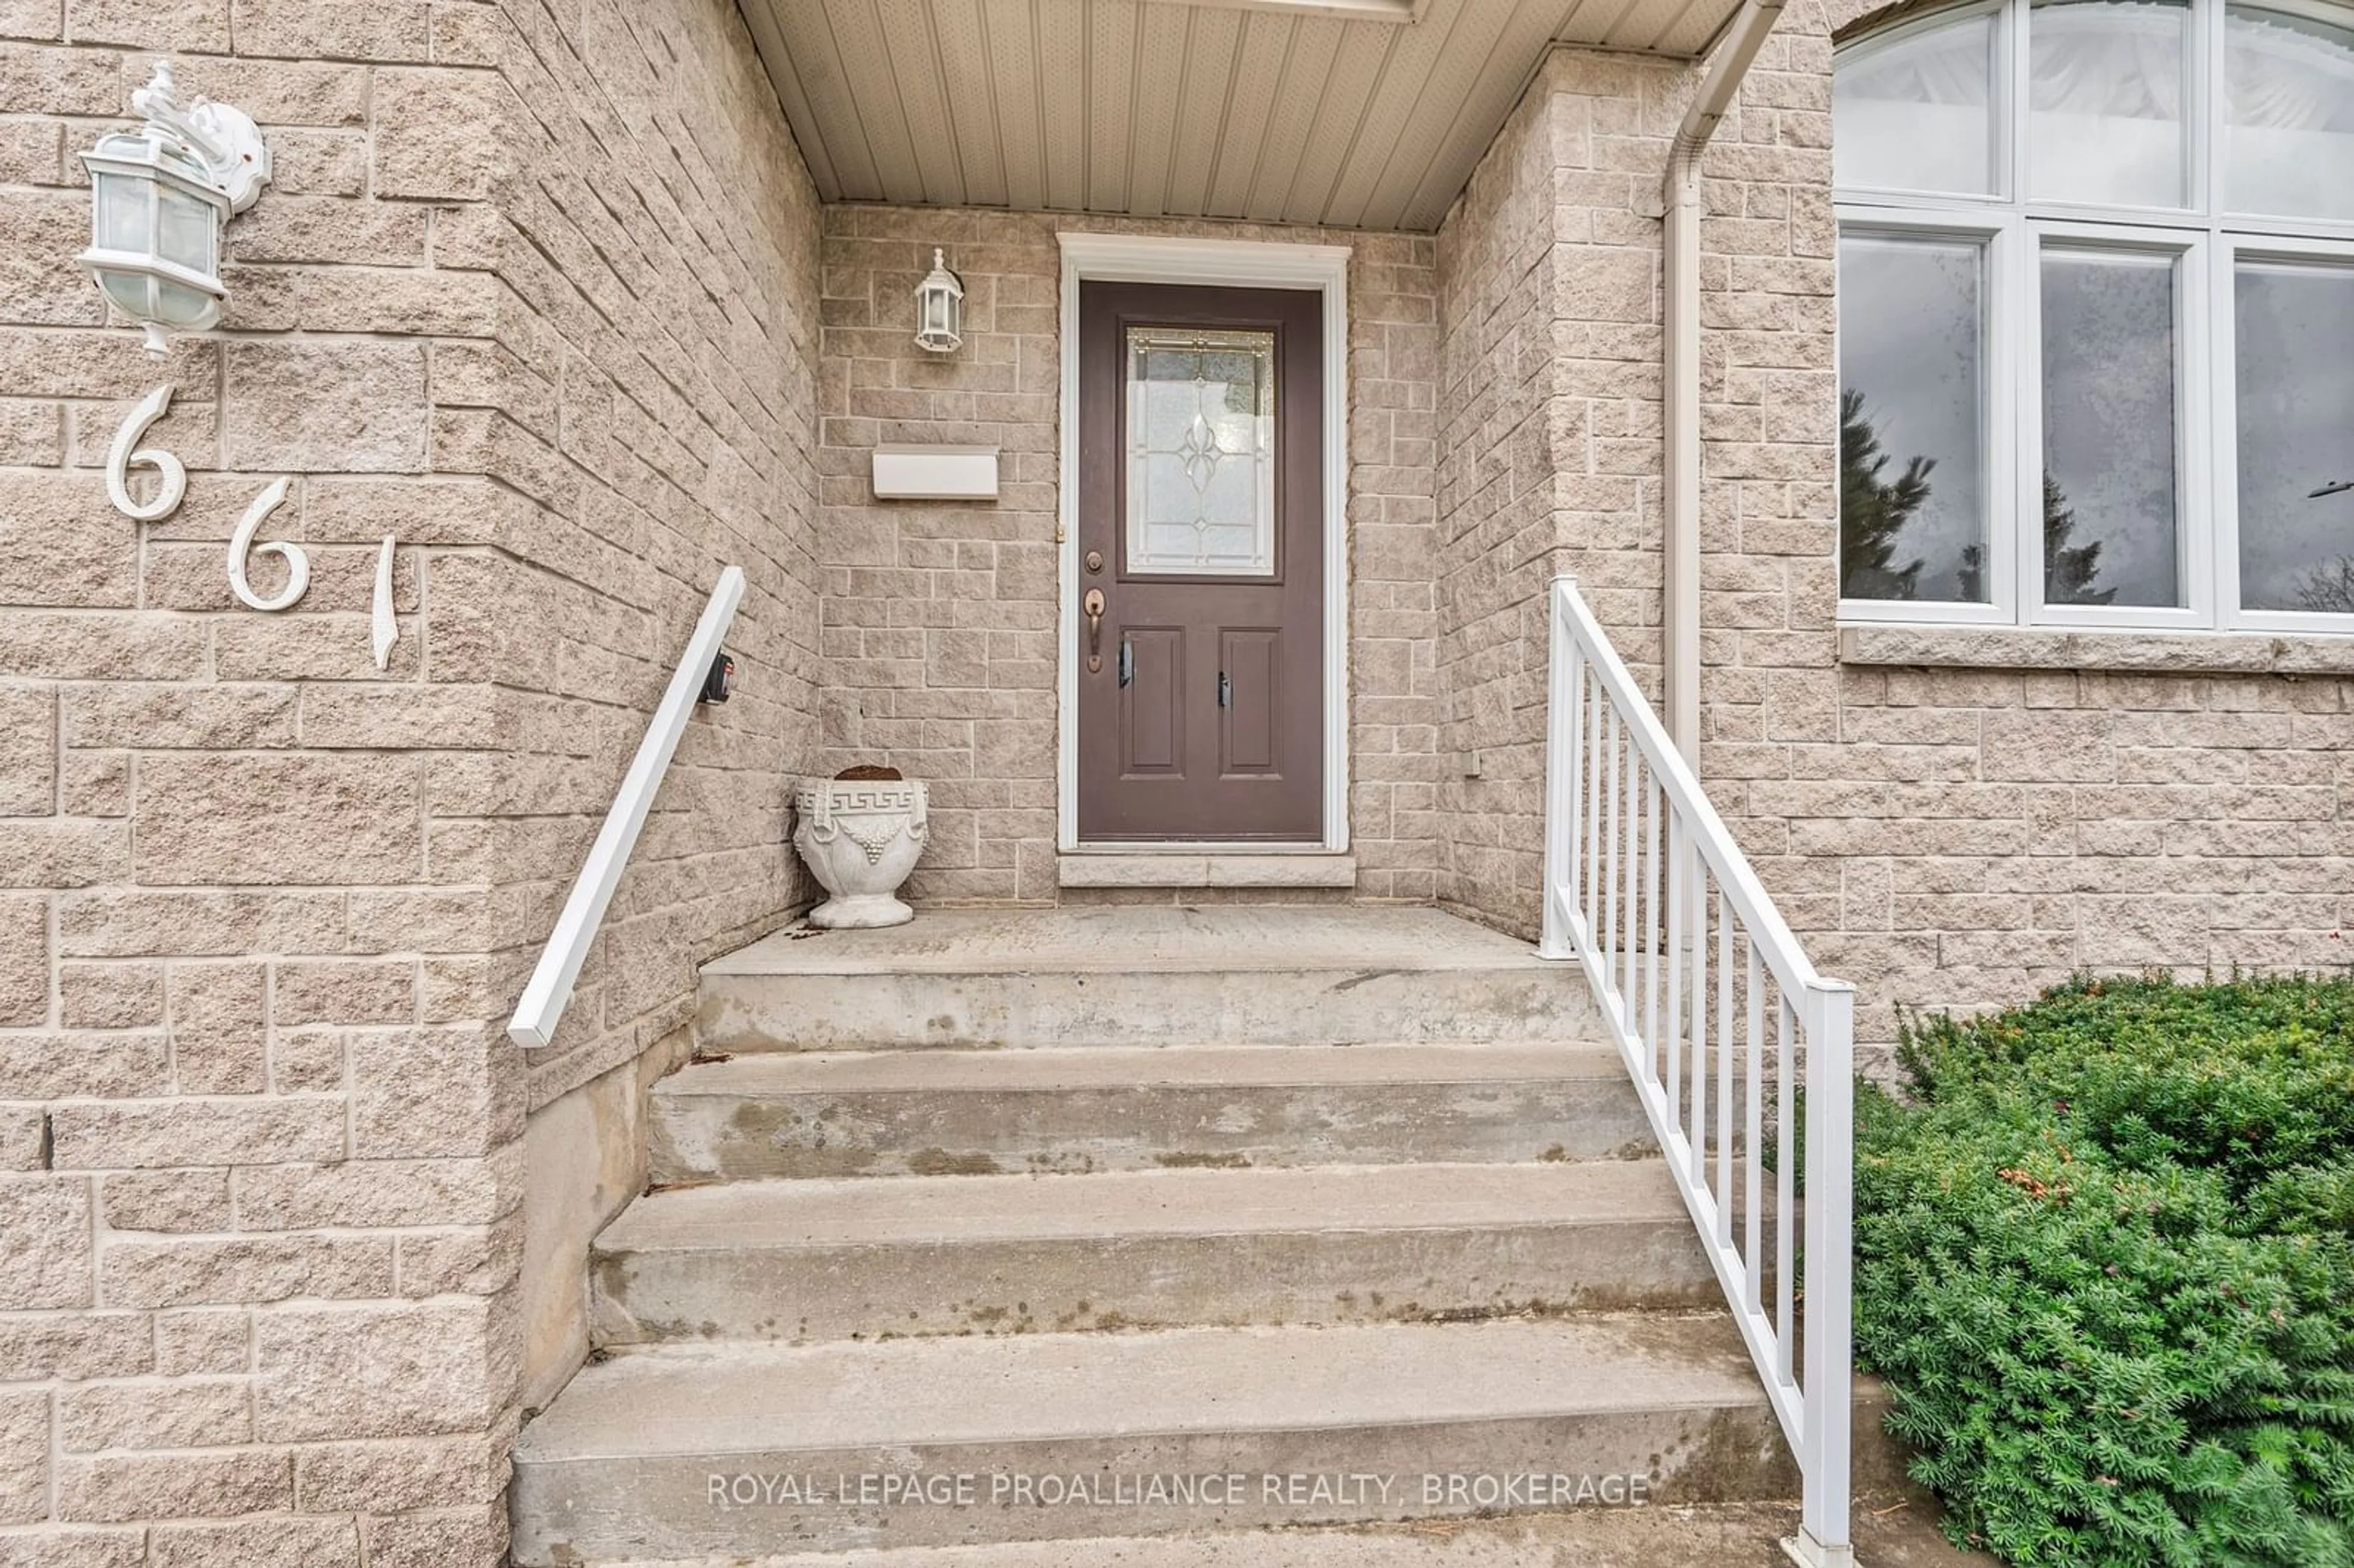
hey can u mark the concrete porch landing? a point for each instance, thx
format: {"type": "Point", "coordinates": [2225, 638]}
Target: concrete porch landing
{"type": "Point", "coordinates": [1269, 975]}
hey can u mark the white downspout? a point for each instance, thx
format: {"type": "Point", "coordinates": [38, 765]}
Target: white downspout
{"type": "Point", "coordinates": [1726, 68]}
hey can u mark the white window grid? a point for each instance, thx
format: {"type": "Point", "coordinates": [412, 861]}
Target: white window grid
{"type": "Point", "coordinates": [2209, 243]}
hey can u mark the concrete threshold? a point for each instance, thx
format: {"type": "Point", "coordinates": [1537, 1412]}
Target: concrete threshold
{"type": "Point", "coordinates": [1196, 868]}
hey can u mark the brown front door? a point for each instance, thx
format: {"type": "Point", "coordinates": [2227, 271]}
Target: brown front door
{"type": "Point", "coordinates": [1201, 512]}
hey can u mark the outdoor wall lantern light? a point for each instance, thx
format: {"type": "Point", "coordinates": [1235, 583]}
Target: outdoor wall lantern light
{"type": "Point", "coordinates": [939, 309]}
{"type": "Point", "coordinates": [159, 197]}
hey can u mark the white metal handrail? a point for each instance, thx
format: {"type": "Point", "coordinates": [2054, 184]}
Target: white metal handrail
{"type": "Point", "coordinates": [550, 986]}
{"type": "Point", "coordinates": [1642, 915]}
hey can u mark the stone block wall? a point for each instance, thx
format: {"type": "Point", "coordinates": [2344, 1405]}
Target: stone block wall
{"type": "Point", "coordinates": [1551, 433]}
{"type": "Point", "coordinates": [651, 419]}
{"type": "Point", "coordinates": [264, 1178]}
{"type": "Point", "coordinates": [1986, 832]}
{"type": "Point", "coordinates": [1497, 539]}
{"type": "Point", "coordinates": [941, 620]}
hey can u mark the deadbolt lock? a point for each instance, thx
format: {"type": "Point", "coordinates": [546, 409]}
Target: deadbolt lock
{"type": "Point", "coordinates": [1095, 560]}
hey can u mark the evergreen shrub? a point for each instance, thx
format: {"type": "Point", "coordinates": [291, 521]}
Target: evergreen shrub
{"type": "Point", "coordinates": [2105, 1259]}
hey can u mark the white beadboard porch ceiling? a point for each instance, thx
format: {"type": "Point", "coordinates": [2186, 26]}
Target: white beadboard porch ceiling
{"type": "Point", "coordinates": [1354, 113]}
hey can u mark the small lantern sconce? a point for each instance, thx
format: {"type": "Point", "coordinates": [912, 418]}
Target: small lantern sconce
{"type": "Point", "coordinates": [159, 197]}
{"type": "Point", "coordinates": [939, 309]}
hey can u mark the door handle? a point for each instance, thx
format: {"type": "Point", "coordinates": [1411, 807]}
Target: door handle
{"type": "Point", "coordinates": [1094, 606]}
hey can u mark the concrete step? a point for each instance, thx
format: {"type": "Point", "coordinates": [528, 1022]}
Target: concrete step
{"type": "Point", "coordinates": [896, 1113]}
{"type": "Point", "coordinates": [1890, 1532]}
{"type": "Point", "coordinates": [648, 1455]}
{"type": "Point", "coordinates": [824, 1260]}
{"type": "Point", "coordinates": [1150, 976]}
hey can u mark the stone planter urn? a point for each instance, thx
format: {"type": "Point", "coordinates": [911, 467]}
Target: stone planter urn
{"type": "Point", "coordinates": [861, 837]}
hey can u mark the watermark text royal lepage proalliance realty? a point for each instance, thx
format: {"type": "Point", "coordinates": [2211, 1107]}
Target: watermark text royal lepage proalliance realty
{"type": "Point", "coordinates": [1214, 1489]}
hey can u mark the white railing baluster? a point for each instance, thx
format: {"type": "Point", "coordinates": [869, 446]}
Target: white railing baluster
{"type": "Point", "coordinates": [1630, 865]}
{"type": "Point", "coordinates": [1786, 1162]}
{"type": "Point", "coordinates": [1654, 927]}
{"type": "Point", "coordinates": [1628, 937]}
{"type": "Point", "coordinates": [1679, 917]}
{"type": "Point", "coordinates": [1593, 798]}
{"type": "Point", "coordinates": [1724, 1071]}
{"type": "Point", "coordinates": [1610, 859]}
{"type": "Point", "coordinates": [1754, 1134]}
{"type": "Point", "coordinates": [1565, 691]}
{"type": "Point", "coordinates": [1699, 1031]}
{"type": "Point", "coordinates": [1679, 897]}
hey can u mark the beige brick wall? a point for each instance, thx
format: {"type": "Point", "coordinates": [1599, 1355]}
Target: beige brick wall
{"type": "Point", "coordinates": [1550, 448]}
{"type": "Point", "coordinates": [939, 620]}
{"type": "Point", "coordinates": [1550, 311]}
{"type": "Point", "coordinates": [1496, 536]}
{"type": "Point", "coordinates": [263, 910]}
{"type": "Point", "coordinates": [656, 384]}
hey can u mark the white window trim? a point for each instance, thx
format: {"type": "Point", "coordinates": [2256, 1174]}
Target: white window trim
{"type": "Point", "coordinates": [2014, 231]}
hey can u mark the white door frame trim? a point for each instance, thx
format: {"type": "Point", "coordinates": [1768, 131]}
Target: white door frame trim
{"type": "Point", "coordinates": [1237, 263]}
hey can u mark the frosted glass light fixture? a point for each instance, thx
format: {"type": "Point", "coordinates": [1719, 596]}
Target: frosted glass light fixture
{"type": "Point", "coordinates": [159, 197]}
{"type": "Point", "coordinates": [939, 309]}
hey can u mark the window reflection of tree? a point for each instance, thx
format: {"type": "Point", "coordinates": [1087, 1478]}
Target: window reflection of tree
{"type": "Point", "coordinates": [1875, 509]}
{"type": "Point", "coordinates": [2328, 588]}
{"type": "Point", "coordinates": [2069, 572]}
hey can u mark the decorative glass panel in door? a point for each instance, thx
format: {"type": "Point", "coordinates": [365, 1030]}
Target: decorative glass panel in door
{"type": "Point", "coordinates": [1201, 452]}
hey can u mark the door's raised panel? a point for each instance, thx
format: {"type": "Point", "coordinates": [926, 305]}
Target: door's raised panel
{"type": "Point", "coordinates": [1152, 702]}
{"type": "Point", "coordinates": [1250, 658]}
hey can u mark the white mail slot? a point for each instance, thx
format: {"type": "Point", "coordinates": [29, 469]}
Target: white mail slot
{"type": "Point", "coordinates": [935, 473]}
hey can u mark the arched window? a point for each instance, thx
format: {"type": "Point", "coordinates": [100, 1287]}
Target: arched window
{"type": "Point", "coordinates": [2096, 315]}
